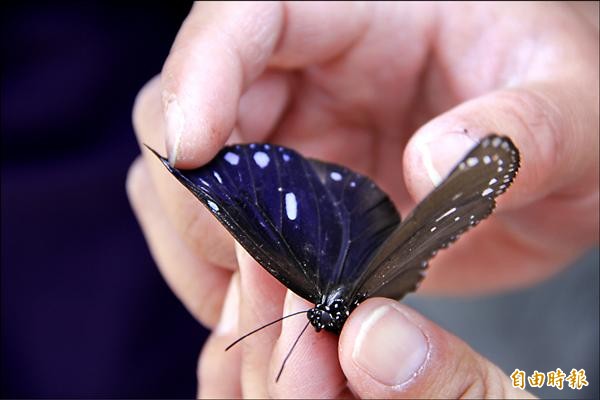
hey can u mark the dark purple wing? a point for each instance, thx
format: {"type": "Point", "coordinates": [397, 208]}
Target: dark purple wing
{"type": "Point", "coordinates": [461, 201]}
{"type": "Point", "coordinates": [306, 222]}
{"type": "Point", "coordinates": [368, 216]}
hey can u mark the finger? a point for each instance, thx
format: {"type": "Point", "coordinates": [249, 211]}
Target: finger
{"type": "Point", "coordinates": [312, 369]}
{"type": "Point", "coordinates": [222, 47]}
{"type": "Point", "coordinates": [546, 107]}
{"type": "Point", "coordinates": [219, 371]}
{"type": "Point", "coordinates": [543, 123]}
{"type": "Point", "coordinates": [262, 106]}
{"type": "Point", "coordinates": [390, 351]}
{"type": "Point", "coordinates": [261, 302]}
{"type": "Point", "coordinates": [535, 120]}
{"type": "Point", "coordinates": [199, 285]}
{"type": "Point", "coordinates": [188, 217]}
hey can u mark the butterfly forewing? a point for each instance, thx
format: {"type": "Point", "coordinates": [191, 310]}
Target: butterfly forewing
{"type": "Point", "coordinates": [307, 222]}
{"type": "Point", "coordinates": [462, 200]}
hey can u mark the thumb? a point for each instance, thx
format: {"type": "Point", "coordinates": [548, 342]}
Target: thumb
{"type": "Point", "coordinates": [390, 351]}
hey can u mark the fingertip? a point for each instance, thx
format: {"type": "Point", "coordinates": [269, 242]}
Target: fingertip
{"type": "Point", "coordinates": [175, 125]}
{"type": "Point", "coordinates": [192, 138]}
{"type": "Point", "coordinates": [218, 51]}
{"type": "Point", "coordinates": [382, 344]}
{"type": "Point", "coordinates": [535, 118]}
{"type": "Point", "coordinates": [388, 350]}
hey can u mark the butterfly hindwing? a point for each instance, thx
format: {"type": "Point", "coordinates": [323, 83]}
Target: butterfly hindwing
{"type": "Point", "coordinates": [368, 214]}
{"type": "Point", "coordinates": [461, 201]}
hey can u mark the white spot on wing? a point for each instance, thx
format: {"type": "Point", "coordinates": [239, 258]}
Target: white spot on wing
{"type": "Point", "coordinates": [487, 159]}
{"type": "Point", "coordinates": [433, 229]}
{"type": "Point", "coordinates": [261, 159]}
{"type": "Point", "coordinates": [286, 157]}
{"type": "Point", "coordinates": [232, 158]}
{"type": "Point", "coordinates": [336, 176]}
{"type": "Point", "coordinates": [213, 205]}
{"type": "Point", "coordinates": [486, 192]}
{"type": "Point", "coordinates": [352, 184]}
{"type": "Point", "coordinates": [444, 215]}
{"type": "Point", "coordinates": [291, 206]}
{"type": "Point", "coordinates": [472, 161]}
{"type": "Point", "coordinates": [492, 181]}
{"type": "Point", "coordinates": [216, 174]}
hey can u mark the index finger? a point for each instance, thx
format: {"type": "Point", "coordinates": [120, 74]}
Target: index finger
{"type": "Point", "coordinates": [222, 47]}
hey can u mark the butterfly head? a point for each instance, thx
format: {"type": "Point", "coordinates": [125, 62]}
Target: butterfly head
{"type": "Point", "coordinates": [330, 317]}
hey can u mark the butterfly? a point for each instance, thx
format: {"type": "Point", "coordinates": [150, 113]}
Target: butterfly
{"type": "Point", "coordinates": [330, 234]}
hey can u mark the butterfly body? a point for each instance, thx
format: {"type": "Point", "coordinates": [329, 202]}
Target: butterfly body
{"type": "Point", "coordinates": [332, 311]}
{"type": "Point", "coordinates": [330, 234]}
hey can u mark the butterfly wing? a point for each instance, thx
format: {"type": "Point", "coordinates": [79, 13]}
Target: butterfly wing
{"type": "Point", "coordinates": [368, 216]}
{"type": "Point", "coordinates": [461, 201]}
{"type": "Point", "coordinates": [302, 220]}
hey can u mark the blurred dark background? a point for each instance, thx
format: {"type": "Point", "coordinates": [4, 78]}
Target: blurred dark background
{"type": "Point", "coordinates": [85, 312]}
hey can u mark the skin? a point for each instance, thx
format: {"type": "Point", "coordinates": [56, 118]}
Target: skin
{"type": "Point", "coordinates": [388, 90]}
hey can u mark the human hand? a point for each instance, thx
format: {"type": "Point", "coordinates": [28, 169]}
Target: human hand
{"type": "Point", "coordinates": [350, 83]}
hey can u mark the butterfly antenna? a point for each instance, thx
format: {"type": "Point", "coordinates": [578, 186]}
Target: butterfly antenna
{"type": "Point", "coordinates": [290, 352]}
{"type": "Point", "coordinates": [262, 327]}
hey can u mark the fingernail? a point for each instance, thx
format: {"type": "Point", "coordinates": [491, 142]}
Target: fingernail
{"type": "Point", "coordinates": [228, 323]}
{"type": "Point", "coordinates": [441, 152]}
{"type": "Point", "coordinates": [390, 347]}
{"type": "Point", "coordinates": [175, 124]}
